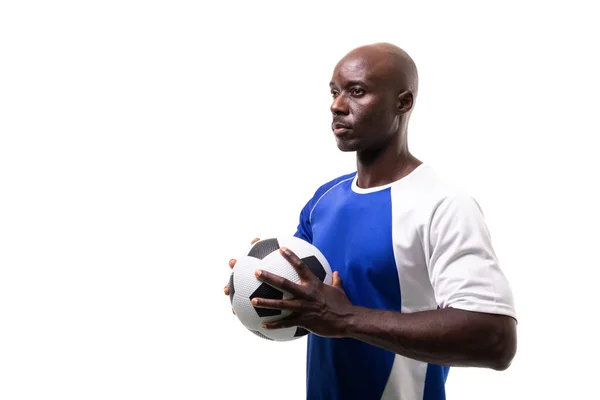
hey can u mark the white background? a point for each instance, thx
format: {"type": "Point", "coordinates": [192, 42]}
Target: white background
{"type": "Point", "coordinates": [145, 143]}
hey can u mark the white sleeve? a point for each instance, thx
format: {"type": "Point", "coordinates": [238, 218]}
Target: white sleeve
{"type": "Point", "coordinates": [463, 267]}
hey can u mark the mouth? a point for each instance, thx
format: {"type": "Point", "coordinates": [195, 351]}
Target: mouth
{"type": "Point", "coordinates": [340, 129]}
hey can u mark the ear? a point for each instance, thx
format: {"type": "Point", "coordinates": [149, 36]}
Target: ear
{"type": "Point", "coordinates": [405, 102]}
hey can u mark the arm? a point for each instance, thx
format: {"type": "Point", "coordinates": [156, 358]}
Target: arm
{"type": "Point", "coordinates": [445, 337]}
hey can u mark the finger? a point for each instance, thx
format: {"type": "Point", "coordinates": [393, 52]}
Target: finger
{"type": "Point", "coordinates": [226, 290]}
{"type": "Point", "coordinates": [337, 281]}
{"type": "Point", "coordinates": [280, 282]}
{"type": "Point", "coordinates": [275, 304]}
{"type": "Point", "coordinates": [283, 323]}
{"type": "Point", "coordinates": [232, 262]}
{"type": "Point", "coordinates": [254, 240]}
{"type": "Point", "coordinates": [301, 268]}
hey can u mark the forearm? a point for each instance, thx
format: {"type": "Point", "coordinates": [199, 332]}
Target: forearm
{"type": "Point", "coordinates": [445, 337]}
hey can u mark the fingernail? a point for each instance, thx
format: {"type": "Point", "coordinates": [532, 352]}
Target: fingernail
{"type": "Point", "coordinates": [258, 273]}
{"type": "Point", "coordinates": [285, 251]}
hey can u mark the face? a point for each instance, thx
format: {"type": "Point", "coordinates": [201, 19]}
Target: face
{"type": "Point", "coordinates": [364, 107]}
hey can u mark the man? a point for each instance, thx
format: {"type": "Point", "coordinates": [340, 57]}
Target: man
{"type": "Point", "coordinates": [417, 287]}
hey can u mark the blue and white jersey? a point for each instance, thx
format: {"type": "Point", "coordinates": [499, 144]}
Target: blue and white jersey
{"type": "Point", "coordinates": [413, 245]}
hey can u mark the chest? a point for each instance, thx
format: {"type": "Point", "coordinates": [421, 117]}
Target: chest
{"type": "Point", "coordinates": [355, 235]}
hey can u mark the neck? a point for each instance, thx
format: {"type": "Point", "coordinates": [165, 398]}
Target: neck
{"type": "Point", "coordinates": [386, 164]}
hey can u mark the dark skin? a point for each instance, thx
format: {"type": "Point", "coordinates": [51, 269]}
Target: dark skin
{"type": "Point", "coordinates": [374, 88]}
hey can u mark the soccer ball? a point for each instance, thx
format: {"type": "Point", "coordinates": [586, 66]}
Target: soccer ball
{"type": "Point", "coordinates": [244, 286]}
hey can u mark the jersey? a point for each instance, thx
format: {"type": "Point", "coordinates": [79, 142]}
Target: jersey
{"type": "Point", "coordinates": [413, 245]}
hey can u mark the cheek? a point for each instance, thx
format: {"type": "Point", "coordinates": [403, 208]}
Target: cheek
{"type": "Point", "coordinates": [373, 116]}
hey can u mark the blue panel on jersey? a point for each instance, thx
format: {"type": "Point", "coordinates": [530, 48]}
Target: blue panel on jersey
{"type": "Point", "coordinates": [304, 230]}
{"type": "Point", "coordinates": [435, 382]}
{"type": "Point", "coordinates": [354, 232]}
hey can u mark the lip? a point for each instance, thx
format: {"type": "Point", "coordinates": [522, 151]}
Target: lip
{"type": "Point", "coordinates": [340, 128]}
{"type": "Point", "coordinates": [340, 131]}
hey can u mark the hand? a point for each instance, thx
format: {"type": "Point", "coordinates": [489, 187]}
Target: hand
{"type": "Point", "coordinates": [320, 308]}
{"type": "Point", "coordinates": [231, 265]}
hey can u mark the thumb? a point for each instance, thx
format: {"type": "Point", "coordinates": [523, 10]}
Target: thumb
{"type": "Point", "coordinates": [337, 281]}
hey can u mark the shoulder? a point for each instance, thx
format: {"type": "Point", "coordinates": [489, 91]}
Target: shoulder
{"type": "Point", "coordinates": [324, 189]}
{"type": "Point", "coordinates": [450, 201]}
{"type": "Point", "coordinates": [447, 211]}
{"type": "Point", "coordinates": [334, 182]}
{"type": "Point", "coordinates": [304, 228]}
{"type": "Point", "coordinates": [431, 200]}
{"type": "Point", "coordinates": [429, 190]}
{"type": "Point", "coordinates": [327, 186]}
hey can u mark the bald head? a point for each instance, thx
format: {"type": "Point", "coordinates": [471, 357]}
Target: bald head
{"type": "Point", "coordinates": [384, 62]}
{"type": "Point", "coordinates": [374, 89]}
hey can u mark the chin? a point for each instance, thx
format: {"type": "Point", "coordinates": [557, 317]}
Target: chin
{"type": "Point", "coordinates": [347, 146]}
{"type": "Point", "coordinates": [347, 149]}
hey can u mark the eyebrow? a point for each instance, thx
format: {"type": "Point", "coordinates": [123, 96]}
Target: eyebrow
{"type": "Point", "coordinates": [350, 83]}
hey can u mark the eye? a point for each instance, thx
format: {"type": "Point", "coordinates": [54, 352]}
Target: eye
{"type": "Point", "coordinates": [357, 91]}
{"type": "Point", "coordinates": [334, 93]}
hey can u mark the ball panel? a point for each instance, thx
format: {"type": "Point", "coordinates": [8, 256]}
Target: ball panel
{"type": "Point", "coordinates": [315, 267]}
{"type": "Point", "coordinates": [267, 291]}
{"type": "Point", "coordinates": [244, 280]}
{"type": "Point", "coordinates": [280, 335]}
{"type": "Point", "coordinates": [301, 332]}
{"type": "Point", "coordinates": [263, 248]}
{"type": "Point", "coordinates": [280, 315]}
{"type": "Point", "coordinates": [267, 312]}
{"type": "Point", "coordinates": [299, 246]}
{"type": "Point", "coordinates": [304, 249]}
{"type": "Point", "coordinates": [257, 333]}
{"type": "Point", "coordinates": [276, 264]}
{"type": "Point", "coordinates": [328, 279]}
{"type": "Point", "coordinates": [245, 312]}
{"type": "Point", "coordinates": [231, 288]}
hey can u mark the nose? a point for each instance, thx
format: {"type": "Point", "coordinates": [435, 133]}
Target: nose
{"type": "Point", "coordinates": [339, 105]}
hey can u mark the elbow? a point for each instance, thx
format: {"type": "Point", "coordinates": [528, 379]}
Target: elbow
{"type": "Point", "coordinates": [505, 347]}
{"type": "Point", "coordinates": [502, 362]}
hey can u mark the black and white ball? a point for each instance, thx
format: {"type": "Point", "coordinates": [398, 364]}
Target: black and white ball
{"type": "Point", "coordinates": [244, 286]}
